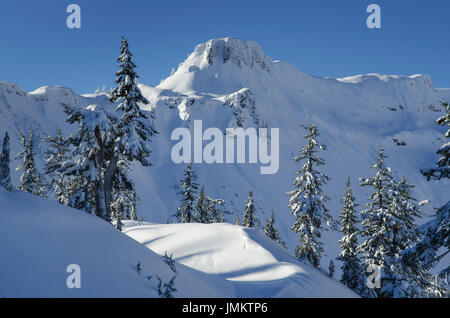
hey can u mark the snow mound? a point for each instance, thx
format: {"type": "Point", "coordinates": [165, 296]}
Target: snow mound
{"type": "Point", "coordinates": [40, 238]}
{"type": "Point", "coordinates": [255, 265]}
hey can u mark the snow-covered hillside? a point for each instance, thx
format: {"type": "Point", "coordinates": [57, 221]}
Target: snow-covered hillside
{"type": "Point", "coordinates": [226, 82]}
{"type": "Point", "coordinates": [251, 262]}
{"type": "Point", "coordinates": [40, 238]}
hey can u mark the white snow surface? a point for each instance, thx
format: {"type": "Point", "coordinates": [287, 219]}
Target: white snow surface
{"type": "Point", "coordinates": [354, 116]}
{"type": "Point", "coordinates": [254, 265]}
{"type": "Point", "coordinates": [40, 238]}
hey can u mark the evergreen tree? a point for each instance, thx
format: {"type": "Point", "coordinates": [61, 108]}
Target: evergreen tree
{"type": "Point", "coordinates": [435, 243]}
{"type": "Point", "coordinates": [443, 165]}
{"type": "Point", "coordinates": [307, 201]}
{"type": "Point", "coordinates": [202, 215]}
{"type": "Point", "coordinates": [57, 155]}
{"type": "Point", "coordinates": [90, 153]}
{"type": "Point", "coordinates": [5, 175]}
{"type": "Point", "coordinates": [249, 219]}
{"type": "Point", "coordinates": [272, 232]}
{"type": "Point", "coordinates": [389, 229]}
{"type": "Point", "coordinates": [134, 127]}
{"type": "Point", "coordinates": [124, 194]}
{"type": "Point", "coordinates": [31, 179]}
{"type": "Point", "coordinates": [208, 210]}
{"type": "Point", "coordinates": [238, 222]}
{"type": "Point", "coordinates": [376, 215]}
{"type": "Point", "coordinates": [189, 187]}
{"type": "Point", "coordinates": [352, 272]}
{"type": "Point", "coordinates": [331, 269]}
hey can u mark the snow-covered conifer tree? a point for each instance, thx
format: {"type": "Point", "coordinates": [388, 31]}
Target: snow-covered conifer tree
{"type": "Point", "coordinates": [31, 179]}
{"type": "Point", "coordinates": [201, 208]}
{"type": "Point", "coordinates": [134, 127]}
{"type": "Point", "coordinates": [271, 231]}
{"type": "Point", "coordinates": [90, 152]}
{"type": "Point", "coordinates": [57, 155]}
{"type": "Point", "coordinates": [5, 174]}
{"type": "Point", "coordinates": [249, 219]}
{"type": "Point", "coordinates": [189, 187]}
{"type": "Point", "coordinates": [307, 201]}
{"type": "Point", "coordinates": [435, 243]}
{"type": "Point", "coordinates": [443, 165]}
{"type": "Point", "coordinates": [352, 272]}
{"type": "Point", "coordinates": [388, 230]}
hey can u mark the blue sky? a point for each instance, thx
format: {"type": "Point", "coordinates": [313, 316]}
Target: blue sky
{"type": "Point", "coordinates": [321, 37]}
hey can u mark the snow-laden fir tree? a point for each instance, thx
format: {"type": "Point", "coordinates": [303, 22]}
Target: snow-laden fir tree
{"type": "Point", "coordinates": [104, 140]}
{"type": "Point", "coordinates": [376, 215]}
{"type": "Point", "coordinates": [189, 187]}
{"type": "Point", "coordinates": [388, 230]}
{"type": "Point", "coordinates": [5, 173]}
{"type": "Point", "coordinates": [238, 222]}
{"type": "Point", "coordinates": [249, 219]}
{"type": "Point", "coordinates": [352, 272]}
{"type": "Point", "coordinates": [402, 277]}
{"type": "Point", "coordinates": [56, 155]}
{"type": "Point", "coordinates": [201, 208]}
{"type": "Point", "coordinates": [443, 164]}
{"type": "Point", "coordinates": [208, 210]}
{"type": "Point", "coordinates": [124, 194]}
{"type": "Point", "coordinates": [135, 127]}
{"type": "Point", "coordinates": [307, 201]}
{"type": "Point", "coordinates": [435, 243]}
{"type": "Point", "coordinates": [272, 232]}
{"type": "Point", "coordinates": [90, 150]}
{"type": "Point", "coordinates": [31, 180]}
{"type": "Point", "coordinates": [331, 269]}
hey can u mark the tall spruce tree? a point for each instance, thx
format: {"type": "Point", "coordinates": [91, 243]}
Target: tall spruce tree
{"type": "Point", "coordinates": [352, 272]}
{"type": "Point", "coordinates": [307, 201]}
{"type": "Point", "coordinates": [272, 232]}
{"type": "Point", "coordinates": [5, 173]}
{"type": "Point", "coordinates": [189, 187]}
{"type": "Point", "coordinates": [107, 143]}
{"type": "Point", "coordinates": [31, 180]}
{"type": "Point", "coordinates": [435, 243]}
{"type": "Point", "coordinates": [249, 219]}
{"type": "Point", "coordinates": [135, 127]}
{"type": "Point", "coordinates": [376, 216]}
{"type": "Point", "coordinates": [57, 155]}
{"type": "Point", "coordinates": [389, 229]}
{"type": "Point", "coordinates": [201, 208]}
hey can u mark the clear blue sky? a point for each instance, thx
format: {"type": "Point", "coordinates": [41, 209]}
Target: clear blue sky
{"type": "Point", "coordinates": [321, 37]}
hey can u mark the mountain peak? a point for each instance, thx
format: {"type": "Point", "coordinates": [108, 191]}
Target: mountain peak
{"type": "Point", "coordinates": [242, 53]}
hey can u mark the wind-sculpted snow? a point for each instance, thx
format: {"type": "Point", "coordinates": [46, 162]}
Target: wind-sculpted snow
{"type": "Point", "coordinates": [251, 262]}
{"type": "Point", "coordinates": [42, 238]}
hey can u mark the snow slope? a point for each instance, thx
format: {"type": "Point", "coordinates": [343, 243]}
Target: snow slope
{"type": "Point", "coordinates": [252, 263]}
{"type": "Point", "coordinates": [40, 238]}
{"type": "Point", "coordinates": [226, 81]}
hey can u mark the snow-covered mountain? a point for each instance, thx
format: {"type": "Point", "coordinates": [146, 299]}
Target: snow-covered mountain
{"type": "Point", "coordinates": [231, 82]}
